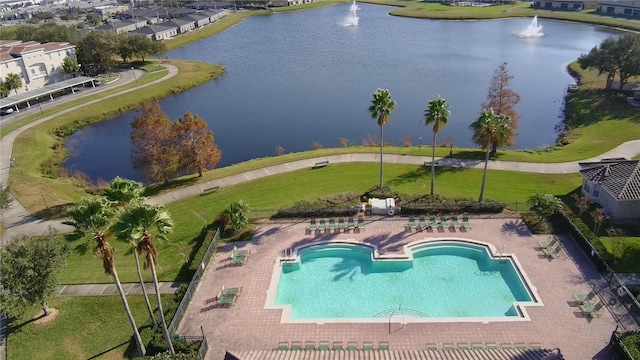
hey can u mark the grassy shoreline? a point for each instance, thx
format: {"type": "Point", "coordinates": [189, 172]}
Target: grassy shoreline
{"type": "Point", "coordinates": [38, 147]}
{"type": "Point", "coordinates": [45, 198]}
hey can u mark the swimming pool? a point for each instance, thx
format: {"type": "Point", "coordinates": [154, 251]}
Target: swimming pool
{"type": "Point", "coordinates": [444, 280]}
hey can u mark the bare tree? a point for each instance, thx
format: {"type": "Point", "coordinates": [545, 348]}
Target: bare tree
{"type": "Point", "coordinates": [503, 101]}
{"type": "Point", "coordinates": [599, 216]}
{"type": "Point", "coordinates": [582, 203]}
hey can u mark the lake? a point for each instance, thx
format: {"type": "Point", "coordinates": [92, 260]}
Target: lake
{"type": "Point", "coordinates": [296, 78]}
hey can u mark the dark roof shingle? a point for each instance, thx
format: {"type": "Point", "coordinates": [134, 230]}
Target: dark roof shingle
{"type": "Point", "coordinates": [620, 177]}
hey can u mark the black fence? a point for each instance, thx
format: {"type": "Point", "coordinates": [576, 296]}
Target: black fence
{"type": "Point", "coordinates": [628, 323]}
{"type": "Point", "coordinates": [186, 299]}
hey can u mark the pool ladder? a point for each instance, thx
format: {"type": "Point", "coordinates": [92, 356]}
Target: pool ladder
{"type": "Point", "coordinates": [288, 255]}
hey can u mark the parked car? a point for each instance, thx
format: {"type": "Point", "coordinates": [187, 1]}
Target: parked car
{"type": "Point", "coordinates": [6, 111]}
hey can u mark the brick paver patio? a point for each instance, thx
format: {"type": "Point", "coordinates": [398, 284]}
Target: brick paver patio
{"type": "Point", "coordinates": [249, 326]}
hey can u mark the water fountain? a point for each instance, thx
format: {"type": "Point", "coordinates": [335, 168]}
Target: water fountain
{"type": "Point", "coordinates": [533, 30]}
{"type": "Point", "coordinates": [352, 18]}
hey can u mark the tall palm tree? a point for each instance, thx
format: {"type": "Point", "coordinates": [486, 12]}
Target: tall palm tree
{"type": "Point", "coordinates": [123, 192]}
{"type": "Point", "coordinates": [488, 129]}
{"type": "Point", "coordinates": [437, 113]}
{"type": "Point", "coordinates": [381, 107]}
{"type": "Point", "coordinates": [95, 216]}
{"type": "Point", "coordinates": [143, 223]}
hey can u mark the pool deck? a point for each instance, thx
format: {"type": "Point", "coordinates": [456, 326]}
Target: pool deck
{"type": "Point", "coordinates": [247, 325]}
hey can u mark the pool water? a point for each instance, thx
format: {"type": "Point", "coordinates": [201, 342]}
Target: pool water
{"type": "Point", "coordinates": [443, 280]}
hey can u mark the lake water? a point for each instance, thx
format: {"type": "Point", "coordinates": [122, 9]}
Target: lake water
{"type": "Point", "coordinates": [296, 78]}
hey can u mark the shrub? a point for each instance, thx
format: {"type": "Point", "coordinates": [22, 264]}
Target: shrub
{"type": "Point", "coordinates": [342, 204]}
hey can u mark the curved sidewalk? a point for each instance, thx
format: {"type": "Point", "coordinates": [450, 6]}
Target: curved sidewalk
{"type": "Point", "coordinates": [17, 220]}
{"type": "Point", "coordinates": [626, 150]}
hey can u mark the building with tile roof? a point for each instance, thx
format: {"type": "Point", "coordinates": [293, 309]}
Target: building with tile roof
{"type": "Point", "coordinates": [615, 185]}
{"type": "Point", "coordinates": [37, 64]}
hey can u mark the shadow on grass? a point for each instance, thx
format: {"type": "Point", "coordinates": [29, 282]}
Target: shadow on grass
{"type": "Point", "coordinates": [420, 174]}
{"type": "Point", "coordinates": [73, 239]}
{"type": "Point", "coordinates": [131, 348]}
{"type": "Point", "coordinates": [13, 325]}
{"type": "Point", "coordinates": [155, 189]}
{"type": "Point", "coordinates": [53, 213]}
{"type": "Point", "coordinates": [593, 105]}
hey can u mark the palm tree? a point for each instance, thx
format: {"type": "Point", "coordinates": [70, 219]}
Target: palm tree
{"type": "Point", "coordinates": [437, 113]}
{"type": "Point", "coordinates": [122, 192]}
{"type": "Point", "coordinates": [237, 214]}
{"type": "Point", "coordinates": [487, 129]}
{"type": "Point", "coordinates": [140, 223]}
{"type": "Point", "coordinates": [381, 107]}
{"type": "Point", "coordinates": [95, 216]}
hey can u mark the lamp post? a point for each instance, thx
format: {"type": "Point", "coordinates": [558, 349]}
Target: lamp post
{"type": "Point", "coordinates": [451, 150]}
{"type": "Point", "coordinates": [419, 142]}
{"type": "Point", "coordinates": [134, 74]}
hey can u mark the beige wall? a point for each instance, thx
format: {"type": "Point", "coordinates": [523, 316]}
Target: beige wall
{"type": "Point", "coordinates": [36, 68]}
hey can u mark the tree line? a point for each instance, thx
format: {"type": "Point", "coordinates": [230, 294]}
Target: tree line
{"type": "Point", "coordinates": [615, 57]}
{"type": "Point", "coordinates": [496, 126]}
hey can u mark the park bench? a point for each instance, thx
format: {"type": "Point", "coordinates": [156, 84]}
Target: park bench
{"type": "Point", "coordinates": [320, 164]}
{"type": "Point", "coordinates": [211, 189]}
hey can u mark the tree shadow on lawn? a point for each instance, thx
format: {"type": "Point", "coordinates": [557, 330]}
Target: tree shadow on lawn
{"type": "Point", "coordinates": [155, 189]}
{"type": "Point", "coordinates": [598, 104]}
{"type": "Point", "coordinates": [56, 212]}
{"type": "Point", "coordinates": [131, 348]}
{"type": "Point", "coordinates": [74, 238]}
{"type": "Point", "coordinates": [421, 175]}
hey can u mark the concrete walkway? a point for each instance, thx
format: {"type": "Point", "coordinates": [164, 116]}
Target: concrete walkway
{"type": "Point", "coordinates": [626, 150]}
{"type": "Point", "coordinates": [17, 221]}
{"type": "Point", "coordinates": [110, 289]}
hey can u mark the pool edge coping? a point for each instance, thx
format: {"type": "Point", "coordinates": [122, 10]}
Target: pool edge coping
{"type": "Point", "coordinates": [291, 256]}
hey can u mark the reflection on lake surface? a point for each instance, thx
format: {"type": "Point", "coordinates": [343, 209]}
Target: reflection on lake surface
{"type": "Point", "coordinates": [296, 78]}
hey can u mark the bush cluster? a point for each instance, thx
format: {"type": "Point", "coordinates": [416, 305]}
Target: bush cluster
{"type": "Point", "coordinates": [340, 204]}
{"type": "Point", "coordinates": [154, 339]}
{"type": "Point", "coordinates": [343, 204]}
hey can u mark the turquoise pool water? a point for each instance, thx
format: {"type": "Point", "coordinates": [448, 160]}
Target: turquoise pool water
{"type": "Point", "coordinates": [444, 280]}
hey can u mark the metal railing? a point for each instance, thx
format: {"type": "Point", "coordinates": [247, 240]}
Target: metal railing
{"type": "Point", "coordinates": [620, 292]}
{"type": "Point", "coordinates": [193, 285]}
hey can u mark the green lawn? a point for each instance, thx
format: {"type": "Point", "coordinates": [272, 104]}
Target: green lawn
{"type": "Point", "coordinates": [273, 192]}
{"type": "Point", "coordinates": [85, 328]}
{"type": "Point", "coordinates": [46, 196]}
{"type": "Point", "coordinates": [419, 9]}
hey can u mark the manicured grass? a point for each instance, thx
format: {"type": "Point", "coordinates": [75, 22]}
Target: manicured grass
{"type": "Point", "coordinates": [85, 328]}
{"type": "Point", "coordinates": [522, 9]}
{"type": "Point", "coordinates": [191, 215]}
